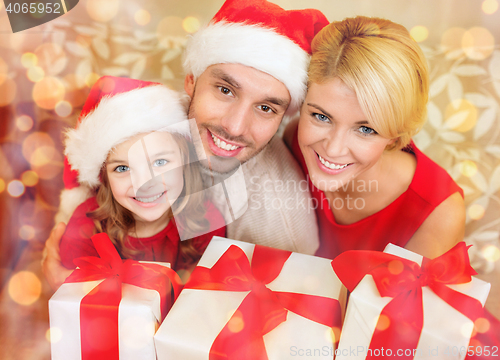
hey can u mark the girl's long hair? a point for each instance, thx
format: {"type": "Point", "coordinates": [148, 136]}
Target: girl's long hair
{"type": "Point", "coordinates": [112, 218]}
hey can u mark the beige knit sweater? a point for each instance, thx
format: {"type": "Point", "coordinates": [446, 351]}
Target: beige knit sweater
{"type": "Point", "coordinates": [278, 206]}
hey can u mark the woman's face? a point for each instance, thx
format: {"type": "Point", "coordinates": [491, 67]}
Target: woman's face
{"type": "Point", "coordinates": [145, 174]}
{"type": "Point", "coordinates": [338, 143]}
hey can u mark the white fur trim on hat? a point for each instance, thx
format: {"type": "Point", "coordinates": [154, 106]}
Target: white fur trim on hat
{"type": "Point", "coordinates": [118, 118]}
{"type": "Point", "coordinates": [70, 199]}
{"type": "Point", "coordinates": [254, 46]}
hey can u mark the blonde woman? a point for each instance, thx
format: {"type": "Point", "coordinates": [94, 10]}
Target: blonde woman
{"type": "Point", "coordinates": [367, 95]}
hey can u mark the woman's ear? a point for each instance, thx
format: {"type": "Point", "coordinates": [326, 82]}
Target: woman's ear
{"type": "Point", "coordinates": [189, 83]}
{"type": "Point", "coordinates": [392, 144]}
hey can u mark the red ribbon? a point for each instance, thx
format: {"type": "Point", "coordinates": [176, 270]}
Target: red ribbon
{"type": "Point", "coordinates": [262, 310]}
{"type": "Point", "coordinates": [99, 308]}
{"type": "Point", "coordinates": [403, 280]}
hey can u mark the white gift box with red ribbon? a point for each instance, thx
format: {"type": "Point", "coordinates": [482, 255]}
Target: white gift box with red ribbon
{"type": "Point", "coordinates": [445, 333]}
{"type": "Point", "coordinates": [199, 315]}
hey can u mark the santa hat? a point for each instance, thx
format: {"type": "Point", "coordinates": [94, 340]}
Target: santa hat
{"type": "Point", "coordinates": [116, 110]}
{"type": "Point", "coordinates": [261, 35]}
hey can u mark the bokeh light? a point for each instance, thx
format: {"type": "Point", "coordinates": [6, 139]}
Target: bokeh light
{"type": "Point", "coordinates": [27, 232]}
{"type": "Point", "coordinates": [8, 91]}
{"type": "Point", "coordinates": [29, 60]}
{"type": "Point", "coordinates": [142, 17]}
{"type": "Point", "coordinates": [468, 168]}
{"type": "Point", "coordinates": [2, 185]}
{"type": "Point", "coordinates": [191, 24]}
{"type": "Point", "coordinates": [482, 325]}
{"type": "Point", "coordinates": [102, 10]}
{"type": "Point", "coordinates": [478, 43]}
{"type": "Point", "coordinates": [35, 74]}
{"type": "Point", "coordinates": [51, 57]}
{"type": "Point", "coordinates": [419, 33]}
{"type": "Point", "coordinates": [91, 79]}
{"type": "Point", "coordinates": [63, 108]}
{"type": "Point", "coordinates": [395, 267]}
{"type": "Point", "coordinates": [451, 40]}
{"type": "Point", "coordinates": [4, 68]}
{"type": "Point", "coordinates": [24, 123]}
{"type": "Point", "coordinates": [38, 149]}
{"type": "Point", "coordinates": [76, 93]}
{"type": "Point", "coordinates": [489, 6]}
{"type": "Point", "coordinates": [53, 335]}
{"type": "Point", "coordinates": [460, 115]}
{"type": "Point", "coordinates": [15, 188]}
{"type": "Point", "coordinates": [476, 211]}
{"type": "Point", "coordinates": [25, 288]}
{"type": "Point", "coordinates": [236, 323]}
{"type": "Point", "coordinates": [29, 178]}
{"type": "Point", "coordinates": [48, 92]}
{"type": "Point", "coordinates": [491, 253]}
{"type": "Point", "coordinates": [383, 322]}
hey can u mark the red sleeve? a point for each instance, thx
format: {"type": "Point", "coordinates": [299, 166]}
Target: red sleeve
{"type": "Point", "coordinates": [75, 241]}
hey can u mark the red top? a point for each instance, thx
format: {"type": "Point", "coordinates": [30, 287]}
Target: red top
{"type": "Point", "coordinates": [163, 247]}
{"type": "Point", "coordinates": [396, 223]}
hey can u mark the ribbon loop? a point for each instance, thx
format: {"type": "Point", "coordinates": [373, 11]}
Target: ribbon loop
{"type": "Point", "coordinates": [403, 280]}
{"type": "Point", "coordinates": [99, 308]}
{"type": "Point", "coordinates": [262, 310]}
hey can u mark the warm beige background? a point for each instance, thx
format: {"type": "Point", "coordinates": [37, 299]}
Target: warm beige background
{"type": "Point", "coordinates": [145, 39]}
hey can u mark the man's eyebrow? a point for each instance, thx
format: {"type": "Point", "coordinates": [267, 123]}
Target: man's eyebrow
{"type": "Point", "coordinates": [277, 101]}
{"type": "Point", "coordinates": [218, 73]}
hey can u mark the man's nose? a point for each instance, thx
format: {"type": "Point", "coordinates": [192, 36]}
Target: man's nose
{"type": "Point", "coordinates": [237, 121]}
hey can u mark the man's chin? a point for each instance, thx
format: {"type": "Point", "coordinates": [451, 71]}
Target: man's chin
{"type": "Point", "coordinates": [221, 165]}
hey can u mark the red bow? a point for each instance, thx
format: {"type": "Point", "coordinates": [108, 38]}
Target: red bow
{"type": "Point", "coordinates": [403, 280]}
{"type": "Point", "coordinates": [99, 308]}
{"type": "Point", "coordinates": [262, 309]}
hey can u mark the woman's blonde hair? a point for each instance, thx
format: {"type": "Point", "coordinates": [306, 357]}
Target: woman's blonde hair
{"type": "Point", "coordinates": [118, 222]}
{"type": "Point", "coordinates": [383, 65]}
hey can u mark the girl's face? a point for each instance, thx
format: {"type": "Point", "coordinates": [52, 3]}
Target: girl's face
{"type": "Point", "coordinates": [335, 137]}
{"type": "Point", "coordinates": [146, 174]}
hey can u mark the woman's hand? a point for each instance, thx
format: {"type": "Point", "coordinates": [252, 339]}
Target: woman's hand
{"type": "Point", "coordinates": [52, 268]}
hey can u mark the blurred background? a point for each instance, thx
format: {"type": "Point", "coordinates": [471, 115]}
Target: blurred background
{"type": "Point", "coordinates": [46, 73]}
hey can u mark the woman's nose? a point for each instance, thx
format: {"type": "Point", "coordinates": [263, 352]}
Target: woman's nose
{"type": "Point", "coordinates": [336, 143]}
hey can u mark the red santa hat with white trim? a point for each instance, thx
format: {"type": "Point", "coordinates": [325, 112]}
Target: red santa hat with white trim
{"type": "Point", "coordinates": [261, 35]}
{"type": "Point", "coordinates": [115, 110]}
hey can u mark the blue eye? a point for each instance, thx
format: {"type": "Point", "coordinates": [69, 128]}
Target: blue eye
{"type": "Point", "coordinates": [321, 117]}
{"type": "Point", "coordinates": [365, 130]}
{"type": "Point", "coordinates": [160, 162]}
{"type": "Point", "coordinates": [121, 168]}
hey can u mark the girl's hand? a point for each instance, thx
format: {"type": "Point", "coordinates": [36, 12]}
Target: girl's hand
{"type": "Point", "coordinates": [52, 268]}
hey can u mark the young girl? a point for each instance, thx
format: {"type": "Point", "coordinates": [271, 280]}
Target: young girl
{"type": "Point", "coordinates": [132, 156]}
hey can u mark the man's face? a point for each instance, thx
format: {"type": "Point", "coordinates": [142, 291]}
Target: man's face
{"type": "Point", "coordinates": [237, 108]}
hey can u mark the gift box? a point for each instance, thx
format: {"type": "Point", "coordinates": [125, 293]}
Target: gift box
{"type": "Point", "coordinates": [246, 301]}
{"type": "Point", "coordinates": [408, 306]}
{"type": "Point", "coordinates": [110, 308]}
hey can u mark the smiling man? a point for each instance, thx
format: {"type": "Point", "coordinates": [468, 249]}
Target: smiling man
{"type": "Point", "coordinates": [245, 71]}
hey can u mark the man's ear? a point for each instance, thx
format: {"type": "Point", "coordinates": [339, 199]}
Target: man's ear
{"type": "Point", "coordinates": [189, 83]}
